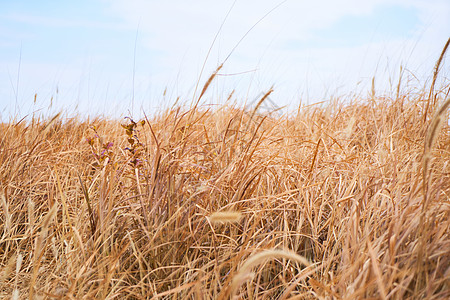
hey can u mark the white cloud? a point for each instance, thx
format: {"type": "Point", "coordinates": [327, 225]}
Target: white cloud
{"type": "Point", "coordinates": [181, 32]}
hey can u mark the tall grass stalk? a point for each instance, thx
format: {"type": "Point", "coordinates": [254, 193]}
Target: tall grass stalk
{"type": "Point", "coordinates": [326, 203]}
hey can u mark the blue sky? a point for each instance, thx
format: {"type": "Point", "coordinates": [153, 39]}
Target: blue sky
{"type": "Point", "coordinates": [117, 57]}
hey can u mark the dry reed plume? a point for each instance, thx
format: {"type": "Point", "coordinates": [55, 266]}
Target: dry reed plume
{"type": "Point", "coordinates": [344, 201]}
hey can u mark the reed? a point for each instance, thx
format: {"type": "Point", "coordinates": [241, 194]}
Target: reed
{"type": "Point", "coordinates": [347, 201]}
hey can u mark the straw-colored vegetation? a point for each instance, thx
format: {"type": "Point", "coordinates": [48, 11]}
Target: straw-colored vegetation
{"type": "Point", "coordinates": [343, 201]}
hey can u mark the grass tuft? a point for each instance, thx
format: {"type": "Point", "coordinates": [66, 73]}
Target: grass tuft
{"type": "Point", "coordinates": [355, 193]}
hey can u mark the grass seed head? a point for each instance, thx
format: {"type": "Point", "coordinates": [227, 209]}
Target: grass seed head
{"type": "Point", "coordinates": [225, 217]}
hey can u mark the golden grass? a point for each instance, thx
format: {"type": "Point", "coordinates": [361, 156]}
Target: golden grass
{"type": "Point", "coordinates": [181, 206]}
{"type": "Point", "coordinates": [344, 201]}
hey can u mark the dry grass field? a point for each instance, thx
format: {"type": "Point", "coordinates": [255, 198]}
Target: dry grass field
{"type": "Point", "coordinates": [338, 201]}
